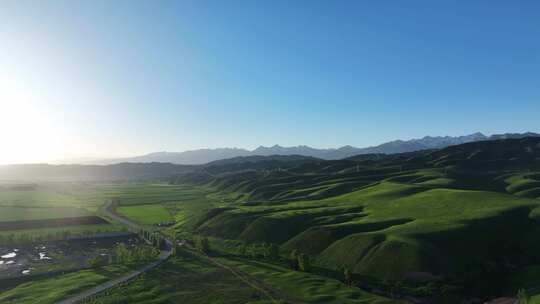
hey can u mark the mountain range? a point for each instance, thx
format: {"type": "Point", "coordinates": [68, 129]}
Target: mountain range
{"type": "Point", "coordinates": [203, 156]}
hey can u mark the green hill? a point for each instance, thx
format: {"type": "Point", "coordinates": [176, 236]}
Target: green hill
{"type": "Point", "coordinates": [466, 215]}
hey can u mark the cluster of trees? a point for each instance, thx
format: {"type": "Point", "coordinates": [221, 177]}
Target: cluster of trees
{"type": "Point", "coordinates": [30, 238]}
{"type": "Point", "coordinates": [300, 261]}
{"type": "Point", "coordinates": [123, 255]}
{"type": "Point", "coordinates": [154, 238]}
{"type": "Point", "coordinates": [27, 238]}
{"type": "Point", "coordinates": [260, 250]}
{"type": "Point", "coordinates": [141, 252]}
{"type": "Point", "coordinates": [347, 277]}
{"type": "Point", "coordinates": [523, 296]}
{"type": "Point", "coordinates": [202, 244]}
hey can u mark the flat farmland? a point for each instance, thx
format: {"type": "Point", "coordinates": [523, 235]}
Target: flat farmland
{"type": "Point", "coordinates": [146, 193]}
{"type": "Point", "coordinates": [47, 210]}
{"type": "Point", "coordinates": [53, 222]}
{"type": "Point", "coordinates": [29, 213]}
{"type": "Point", "coordinates": [42, 196]}
{"type": "Point", "coordinates": [55, 288]}
{"type": "Point", "coordinates": [146, 214]}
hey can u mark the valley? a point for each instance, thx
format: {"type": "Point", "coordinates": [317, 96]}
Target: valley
{"type": "Point", "coordinates": [434, 226]}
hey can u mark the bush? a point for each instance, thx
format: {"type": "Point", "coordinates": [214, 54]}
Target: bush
{"type": "Point", "coordinates": [347, 276]}
{"type": "Point", "coordinates": [523, 296]}
{"type": "Point", "coordinates": [294, 259]}
{"type": "Point", "coordinates": [203, 245]}
{"type": "Point", "coordinates": [273, 252]}
{"type": "Point", "coordinates": [303, 262]}
{"type": "Point", "coordinates": [94, 262]}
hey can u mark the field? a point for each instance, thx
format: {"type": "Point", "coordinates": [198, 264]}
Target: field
{"type": "Point", "coordinates": [53, 201]}
{"type": "Point", "coordinates": [12, 214]}
{"type": "Point", "coordinates": [143, 193]}
{"type": "Point", "coordinates": [146, 214]}
{"type": "Point", "coordinates": [189, 279]}
{"type": "Point", "coordinates": [53, 233]}
{"type": "Point", "coordinates": [448, 225]}
{"type": "Point", "coordinates": [50, 290]}
{"type": "Point", "coordinates": [54, 222]}
{"type": "Point", "coordinates": [184, 279]}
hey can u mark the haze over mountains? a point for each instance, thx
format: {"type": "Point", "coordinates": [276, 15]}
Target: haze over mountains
{"type": "Point", "coordinates": [203, 156]}
{"type": "Point", "coordinates": [275, 157]}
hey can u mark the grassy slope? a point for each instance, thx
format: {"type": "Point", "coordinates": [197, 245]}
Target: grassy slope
{"type": "Point", "coordinates": [186, 280]}
{"type": "Point", "coordinates": [303, 286]}
{"type": "Point", "coordinates": [388, 230]}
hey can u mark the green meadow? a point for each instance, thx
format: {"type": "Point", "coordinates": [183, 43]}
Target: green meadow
{"type": "Point", "coordinates": [457, 219]}
{"type": "Point", "coordinates": [188, 278]}
{"type": "Point", "coordinates": [146, 214]}
{"type": "Point", "coordinates": [446, 225]}
{"type": "Point", "coordinates": [184, 279]}
{"type": "Point", "coordinates": [31, 213]}
{"type": "Point", "coordinates": [48, 290]}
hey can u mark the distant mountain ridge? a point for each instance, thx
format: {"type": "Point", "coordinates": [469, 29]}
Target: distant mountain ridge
{"type": "Point", "coordinates": [203, 156]}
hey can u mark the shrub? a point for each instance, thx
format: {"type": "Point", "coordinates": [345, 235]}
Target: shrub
{"type": "Point", "coordinates": [303, 262]}
{"type": "Point", "coordinates": [203, 245]}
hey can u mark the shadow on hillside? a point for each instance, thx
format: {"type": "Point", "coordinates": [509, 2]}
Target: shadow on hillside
{"type": "Point", "coordinates": [485, 251]}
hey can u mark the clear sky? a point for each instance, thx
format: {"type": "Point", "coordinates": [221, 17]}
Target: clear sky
{"type": "Point", "coordinates": [112, 78]}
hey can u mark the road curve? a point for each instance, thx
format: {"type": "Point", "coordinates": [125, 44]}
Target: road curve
{"type": "Point", "coordinates": [165, 254]}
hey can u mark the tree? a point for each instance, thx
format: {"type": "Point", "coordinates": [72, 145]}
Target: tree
{"type": "Point", "coordinates": [253, 251]}
{"type": "Point", "coordinates": [122, 253]}
{"type": "Point", "coordinates": [347, 276]}
{"type": "Point", "coordinates": [203, 245]}
{"type": "Point", "coordinates": [303, 262]}
{"type": "Point", "coordinates": [523, 296]}
{"type": "Point", "coordinates": [273, 252]}
{"type": "Point", "coordinates": [93, 262]}
{"type": "Point", "coordinates": [242, 250]}
{"type": "Point", "coordinates": [294, 259]}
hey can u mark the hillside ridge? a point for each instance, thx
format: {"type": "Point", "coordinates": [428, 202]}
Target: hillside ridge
{"type": "Point", "coordinates": [203, 156]}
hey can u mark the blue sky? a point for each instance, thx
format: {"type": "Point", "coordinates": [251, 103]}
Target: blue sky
{"type": "Point", "coordinates": [112, 78]}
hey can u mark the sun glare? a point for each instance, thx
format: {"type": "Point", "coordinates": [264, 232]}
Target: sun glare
{"type": "Point", "coordinates": [27, 133]}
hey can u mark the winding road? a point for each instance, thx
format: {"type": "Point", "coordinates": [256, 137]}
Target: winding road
{"type": "Point", "coordinates": [165, 254]}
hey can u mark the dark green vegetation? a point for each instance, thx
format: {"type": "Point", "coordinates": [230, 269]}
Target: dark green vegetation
{"type": "Point", "coordinates": [51, 289]}
{"type": "Point", "coordinates": [116, 172]}
{"type": "Point", "coordinates": [461, 220]}
{"type": "Point", "coordinates": [184, 279]}
{"type": "Point", "coordinates": [190, 278]}
{"type": "Point", "coordinates": [450, 224]}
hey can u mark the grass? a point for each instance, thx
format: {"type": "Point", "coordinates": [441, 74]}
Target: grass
{"type": "Point", "coordinates": [45, 195]}
{"type": "Point", "coordinates": [146, 214]}
{"type": "Point", "coordinates": [184, 279]}
{"type": "Point", "coordinates": [387, 230]}
{"type": "Point", "coordinates": [52, 290]}
{"type": "Point", "coordinates": [466, 214]}
{"type": "Point", "coordinates": [62, 200]}
{"type": "Point", "coordinates": [81, 230]}
{"type": "Point", "coordinates": [304, 287]}
{"type": "Point", "coordinates": [147, 193]}
{"type": "Point", "coordinates": [29, 213]}
{"type": "Point", "coordinates": [191, 280]}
